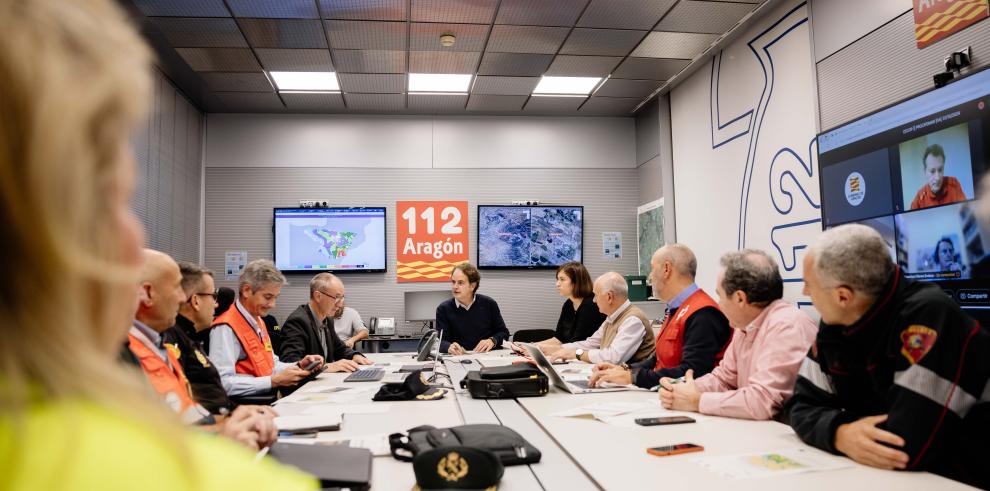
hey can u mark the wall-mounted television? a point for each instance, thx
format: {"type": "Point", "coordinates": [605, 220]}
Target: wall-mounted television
{"type": "Point", "coordinates": [330, 239]}
{"type": "Point", "coordinates": [910, 171]}
{"type": "Point", "coordinates": [537, 237]}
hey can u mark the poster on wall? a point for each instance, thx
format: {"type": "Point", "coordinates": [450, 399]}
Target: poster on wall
{"type": "Point", "coordinates": [649, 232]}
{"type": "Point", "coordinates": [431, 237]}
{"type": "Point", "coordinates": [612, 245]}
{"type": "Point", "coordinates": [233, 263]}
{"type": "Point", "coordinates": [935, 20]}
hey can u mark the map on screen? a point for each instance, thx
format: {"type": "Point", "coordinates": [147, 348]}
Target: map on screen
{"type": "Point", "coordinates": [529, 236]}
{"type": "Point", "coordinates": [330, 239]}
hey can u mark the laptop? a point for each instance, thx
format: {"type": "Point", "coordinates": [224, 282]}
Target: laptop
{"type": "Point", "coordinates": [579, 386]}
{"type": "Point", "coordinates": [333, 465]}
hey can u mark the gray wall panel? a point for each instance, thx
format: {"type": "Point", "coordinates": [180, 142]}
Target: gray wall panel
{"type": "Point", "coordinates": [886, 66]}
{"type": "Point", "coordinates": [239, 204]}
{"type": "Point", "coordinates": [648, 132]}
{"type": "Point", "coordinates": [837, 23]}
{"type": "Point", "coordinates": [650, 184]}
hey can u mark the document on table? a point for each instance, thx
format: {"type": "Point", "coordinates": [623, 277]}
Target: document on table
{"type": "Point", "coordinates": [377, 444]}
{"type": "Point", "coordinates": [323, 420]}
{"type": "Point", "coordinates": [373, 408]}
{"type": "Point", "coordinates": [774, 463]}
{"type": "Point", "coordinates": [623, 414]}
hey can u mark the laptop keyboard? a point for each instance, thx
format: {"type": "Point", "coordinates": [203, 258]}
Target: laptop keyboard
{"type": "Point", "coordinates": [366, 375]}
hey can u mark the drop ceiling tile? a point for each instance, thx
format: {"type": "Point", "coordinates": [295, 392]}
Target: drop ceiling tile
{"type": "Point", "coordinates": [295, 60]}
{"type": "Point", "coordinates": [624, 14]}
{"type": "Point", "coordinates": [426, 37]}
{"type": "Point", "coordinates": [352, 34]}
{"type": "Point", "coordinates": [237, 82]}
{"type": "Point", "coordinates": [616, 87]}
{"type": "Point", "coordinates": [673, 45]}
{"type": "Point", "coordinates": [182, 8]}
{"type": "Point", "coordinates": [514, 64]}
{"type": "Point", "coordinates": [610, 106]}
{"type": "Point", "coordinates": [602, 42]}
{"type": "Point", "coordinates": [284, 33]}
{"type": "Point", "coordinates": [504, 85]}
{"type": "Point", "coordinates": [210, 32]}
{"type": "Point", "coordinates": [650, 68]}
{"type": "Point", "coordinates": [375, 102]}
{"type": "Point", "coordinates": [245, 102]}
{"type": "Point", "coordinates": [274, 9]}
{"type": "Point", "coordinates": [459, 11]}
{"type": "Point", "coordinates": [582, 66]}
{"type": "Point", "coordinates": [496, 103]}
{"type": "Point", "coordinates": [443, 62]}
{"type": "Point", "coordinates": [526, 39]}
{"type": "Point", "coordinates": [370, 61]}
{"type": "Point", "coordinates": [704, 17]}
{"type": "Point", "coordinates": [313, 101]}
{"type": "Point", "coordinates": [220, 59]}
{"type": "Point", "coordinates": [373, 83]}
{"type": "Point", "coordinates": [554, 104]}
{"type": "Point", "coordinates": [540, 12]}
{"type": "Point", "coordinates": [364, 9]}
{"type": "Point", "coordinates": [434, 102]}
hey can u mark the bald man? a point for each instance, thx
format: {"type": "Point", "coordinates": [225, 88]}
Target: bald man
{"type": "Point", "coordinates": [624, 336]}
{"type": "Point", "coordinates": [694, 334]}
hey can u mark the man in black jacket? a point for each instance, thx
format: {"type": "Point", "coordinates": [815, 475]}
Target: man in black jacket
{"type": "Point", "coordinates": [897, 377]}
{"type": "Point", "coordinates": [309, 329]}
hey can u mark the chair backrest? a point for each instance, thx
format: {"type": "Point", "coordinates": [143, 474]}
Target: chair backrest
{"type": "Point", "coordinates": [532, 335]}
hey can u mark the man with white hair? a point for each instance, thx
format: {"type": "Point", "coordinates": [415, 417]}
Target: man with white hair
{"type": "Point", "coordinates": [625, 334]}
{"type": "Point", "coordinates": [897, 376]}
{"type": "Point", "coordinates": [239, 344]}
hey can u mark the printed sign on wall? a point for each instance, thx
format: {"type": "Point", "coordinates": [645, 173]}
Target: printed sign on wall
{"type": "Point", "coordinates": [431, 237]}
{"type": "Point", "coordinates": [937, 19]}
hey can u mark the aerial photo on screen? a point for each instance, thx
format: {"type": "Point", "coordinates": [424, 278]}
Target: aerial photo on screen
{"type": "Point", "coordinates": [529, 236]}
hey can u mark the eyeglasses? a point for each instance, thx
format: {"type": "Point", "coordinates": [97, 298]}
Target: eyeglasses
{"type": "Point", "coordinates": [336, 298]}
{"type": "Point", "coordinates": [215, 294]}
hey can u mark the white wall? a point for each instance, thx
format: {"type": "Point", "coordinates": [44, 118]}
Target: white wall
{"type": "Point", "coordinates": [744, 153]}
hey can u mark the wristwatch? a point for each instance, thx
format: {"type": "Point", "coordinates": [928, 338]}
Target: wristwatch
{"type": "Point", "coordinates": [578, 352]}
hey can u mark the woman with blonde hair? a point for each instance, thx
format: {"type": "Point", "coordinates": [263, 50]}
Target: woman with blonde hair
{"type": "Point", "coordinates": [74, 77]}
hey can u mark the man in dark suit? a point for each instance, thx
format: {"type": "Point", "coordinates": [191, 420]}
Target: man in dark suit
{"type": "Point", "coordinates": [309, 329]}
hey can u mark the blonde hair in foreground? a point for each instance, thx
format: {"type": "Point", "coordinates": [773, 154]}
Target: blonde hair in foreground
{"type": "Point", "coordinates": [74, 78]}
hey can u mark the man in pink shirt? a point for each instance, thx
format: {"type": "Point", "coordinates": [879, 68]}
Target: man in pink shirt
{"type": "Point", "coordinates": [761, 364]}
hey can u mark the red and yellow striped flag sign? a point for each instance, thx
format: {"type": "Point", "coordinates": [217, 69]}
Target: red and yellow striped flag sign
{"type": "Point", "coordinates": [431, 237]}
{"type": "Point", "coordinates": [938, 19]}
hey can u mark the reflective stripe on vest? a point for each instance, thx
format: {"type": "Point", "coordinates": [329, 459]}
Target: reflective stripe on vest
{"type": "Point", "coordinates": [670, 340]}
{"type": "Point", "coordinates": [259, 361]}
{"type": "Point", "coordinates": [170, 383]}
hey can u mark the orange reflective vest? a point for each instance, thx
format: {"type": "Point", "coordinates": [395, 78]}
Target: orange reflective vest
{"type": "Point", "coordinates": [259, 361]}
{"type": "Point", "coordinates": [169, 381]}
{"type": "Point", "coordinates": [670, 341]}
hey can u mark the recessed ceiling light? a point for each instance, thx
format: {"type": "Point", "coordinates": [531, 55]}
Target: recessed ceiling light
{"type": "Point", "coordinates": [307, 81]}
{"type": "Point", "coordinates": [566, 85]}
{"type": "Point", "coordinates": [439, 82]}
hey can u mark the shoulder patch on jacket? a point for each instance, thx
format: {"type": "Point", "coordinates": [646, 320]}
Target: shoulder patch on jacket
{"type": "Point", "coordinates": [917, 341]}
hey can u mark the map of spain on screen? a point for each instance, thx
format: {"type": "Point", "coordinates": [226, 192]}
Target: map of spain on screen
{"type": "Point", "coordinates": [330, 240]}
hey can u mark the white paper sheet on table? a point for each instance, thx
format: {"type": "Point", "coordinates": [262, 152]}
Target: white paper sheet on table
{"type": "Point", "coordinates": [773, 463]}
{"type": "Point", "coordinates": [326, 418]}
{"type": "Point", "coordinates": [622, 414]}
{"type": "Point", "coordinates": [375, 408]}
{"type": "Point", "coordinates": [377, 444]}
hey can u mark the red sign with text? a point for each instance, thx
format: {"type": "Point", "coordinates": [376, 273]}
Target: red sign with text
{"type": "Point", "coordinates": [938, 19]}
{"type": "Point", "coordinates": [431, 237]}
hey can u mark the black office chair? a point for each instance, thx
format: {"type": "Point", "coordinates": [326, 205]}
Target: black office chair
{"type": "Point", "coordinates": [532, 335]}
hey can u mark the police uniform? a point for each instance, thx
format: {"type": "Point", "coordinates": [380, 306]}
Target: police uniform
{"type": "Point", "coordinates": [202, 375]}
{"type": "Point", "coordinates": [915, 356]}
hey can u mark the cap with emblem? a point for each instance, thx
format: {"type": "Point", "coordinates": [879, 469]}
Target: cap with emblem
{"type": "Point", "coordinates": [457, 468]}
{"type": "Point", "coordinates": [413, 388]}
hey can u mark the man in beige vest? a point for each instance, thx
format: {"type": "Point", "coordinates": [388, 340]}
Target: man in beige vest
{"type": "Point", "coordinates": [625, 334]}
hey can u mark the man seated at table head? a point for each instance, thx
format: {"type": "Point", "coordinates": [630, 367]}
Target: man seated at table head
{"type": "Point", "coordinates": [239, 343]}
{"type": "Point", "coordinates": [624, 336]}
{"type": "Point", "coordinates": [897, 376]}
{"type": "Point", "coordinates": [308, 329]}
{"type": "Point", "coordinates": [469, 320]}
{"type": "Point", "coordinates": [348, 325]}
{"type": "Point", "coordinates": [694, 333]}
{"type": "Point", "coordinates": [160, 296]}
{"type": "Point", "coordinates": [771, 338]}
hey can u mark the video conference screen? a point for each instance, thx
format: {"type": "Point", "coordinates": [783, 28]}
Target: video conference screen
{"type": "Point", "coordinates": [910, 171]}
{"type": "Point", "coordinates": [330, 239]}
{"type": "Point", "coordinates": [529, 236]}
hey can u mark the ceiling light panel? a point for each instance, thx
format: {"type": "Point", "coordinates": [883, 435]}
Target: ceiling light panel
{"type": "Point", "coordinates": [439, 82]}
{"type": "Point", "coordinates": [566, 85]}
{"type": "Point", "coordinates": [324, 81]}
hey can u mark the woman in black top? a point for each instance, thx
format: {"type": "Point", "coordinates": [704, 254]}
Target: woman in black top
{"type": "Point", "coordinates": [579, 317]}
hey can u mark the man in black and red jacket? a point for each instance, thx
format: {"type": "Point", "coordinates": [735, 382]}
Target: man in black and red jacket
{"type": "Point", "coordinates": [897, 377]}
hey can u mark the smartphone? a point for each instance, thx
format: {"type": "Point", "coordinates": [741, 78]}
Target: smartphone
{"type": "Point", "coordinates": [668, 420]}
{"type": "Point", "coordinates": [674, 449]}
{"type": "Point", "coordinates": [313, 364]}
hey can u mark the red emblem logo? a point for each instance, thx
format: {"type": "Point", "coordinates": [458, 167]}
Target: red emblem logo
{"type": "Point", "coordinates": [918, 340]}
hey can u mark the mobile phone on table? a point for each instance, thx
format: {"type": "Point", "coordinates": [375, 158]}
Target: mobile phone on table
{"type": "Point", "coordinates": [667, 420]}
{"type": "Point", "coordinates": [313, 364]}
{"type": "Point", "coordinates": [674, 449]}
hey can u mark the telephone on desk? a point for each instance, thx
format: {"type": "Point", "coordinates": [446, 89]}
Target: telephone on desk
{"type": "Point", "coordinates": [381, 326]}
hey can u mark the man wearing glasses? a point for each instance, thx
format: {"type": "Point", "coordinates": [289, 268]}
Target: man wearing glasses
{"type": "Point", "coordinates": [309, 329]}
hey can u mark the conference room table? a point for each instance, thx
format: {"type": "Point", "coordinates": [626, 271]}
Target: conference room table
{"type": "Point", "coordinates": [584, 453]}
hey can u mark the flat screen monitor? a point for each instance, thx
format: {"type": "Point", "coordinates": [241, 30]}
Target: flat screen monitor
{"type": "Point", "coordinates": [422, 306]}
{"type": "Point", "coordinates": [330, 239]}
{"type": "Point", "coordinates": [536, 237]}
{"type": "Point", "coordinates": [910, 171]}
